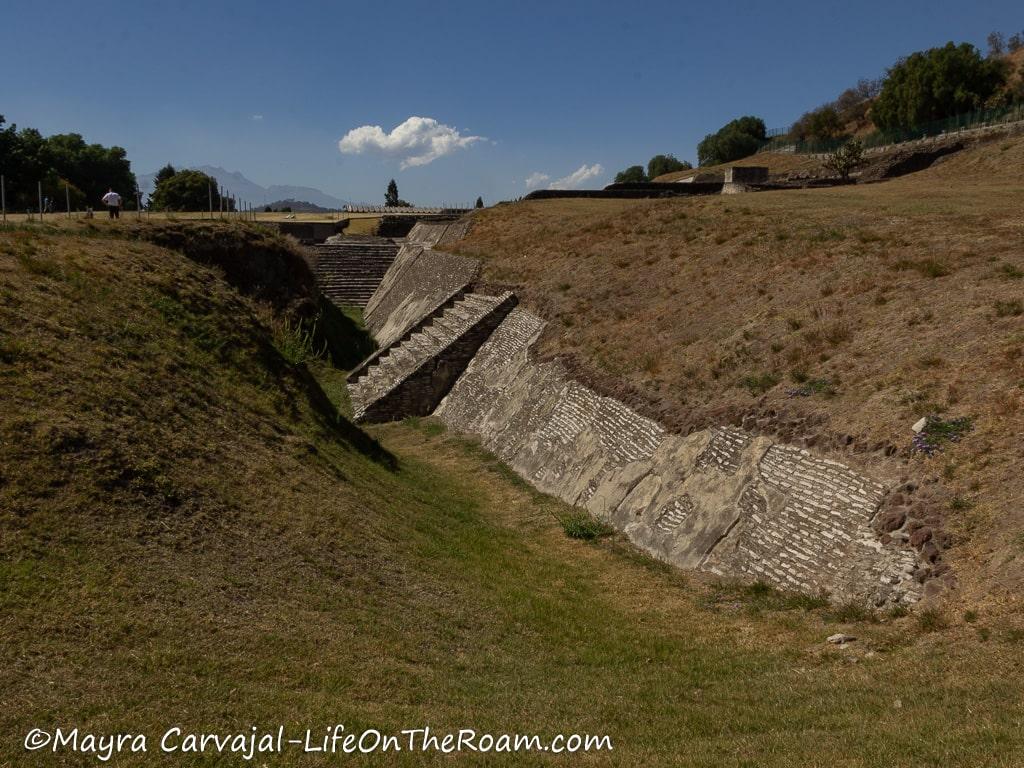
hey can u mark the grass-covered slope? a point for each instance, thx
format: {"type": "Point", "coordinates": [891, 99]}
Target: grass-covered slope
{"type": "Point", "coordinates": [835, 318]}
{"type": "Point", "coordinates": [191, 536]}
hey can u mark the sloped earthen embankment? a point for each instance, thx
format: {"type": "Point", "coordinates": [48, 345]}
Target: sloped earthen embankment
{"type": "Point", "coordinates": [721, 500]}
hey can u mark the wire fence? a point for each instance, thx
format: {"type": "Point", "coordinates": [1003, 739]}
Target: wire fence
{"type": "Point", "coordinates": [781, 141]}
{"type": "Point", "coordinates": [227, 206]}
{"type": "Point", "coordinates": [405, 209]}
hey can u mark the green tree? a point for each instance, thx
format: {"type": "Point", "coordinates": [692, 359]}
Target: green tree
{"type": "Point", "coordinates": [937, 83]}
{"type": "Point", "coordinates": [185, 191]}
{"type": "Point", "coordinates": [821, 124]}
{"type": "Point", "coordinates": [659, 165]}
{"type": "Point", "coordinates": [58, 162]}
{"type": "Point", "coordinates": [632, 175]}
{"type": "Point", "coordinates": [23, 164]}
{"type": "Point", "coordinates": [164, 174]}
{"type": "Point", "coordinates": [996, 44]}
{"type": "Point", "coordinates": [391, 196]}
{"type": "Point", "coordinates": [734, 140]}
{"type": "Point", "coordinates": [479, 202]}
{"type": "Point", "coordinates": [92, 168]}
{"type": "Point", "coordinates": [846, 159]}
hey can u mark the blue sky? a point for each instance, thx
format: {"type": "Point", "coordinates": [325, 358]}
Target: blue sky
{"type": "Point", "coordinates": [270, 88]}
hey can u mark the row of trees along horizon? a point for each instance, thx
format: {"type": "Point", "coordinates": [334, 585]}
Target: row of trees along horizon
{"type": "Point", "coordinates": [79, 174]}
{"type": "Point", "coordinates": [925, 86]}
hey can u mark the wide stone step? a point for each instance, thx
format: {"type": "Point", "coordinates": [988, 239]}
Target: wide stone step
{"type": "Point", "coordinates": [348, 271]}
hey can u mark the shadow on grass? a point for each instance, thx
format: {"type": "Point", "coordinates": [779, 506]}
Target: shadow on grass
{"type": "Point", "coordinates": [348, 343]}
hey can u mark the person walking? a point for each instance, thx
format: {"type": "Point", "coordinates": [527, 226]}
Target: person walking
{"type": "Point", "coordinates": [113, 202]}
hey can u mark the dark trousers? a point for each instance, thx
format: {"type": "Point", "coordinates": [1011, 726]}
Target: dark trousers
{"type": "Point", "coordinates": [115, 211]}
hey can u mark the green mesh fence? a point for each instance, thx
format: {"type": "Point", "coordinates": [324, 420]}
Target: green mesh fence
{"type": "Point", "coordinates": [977, 119]}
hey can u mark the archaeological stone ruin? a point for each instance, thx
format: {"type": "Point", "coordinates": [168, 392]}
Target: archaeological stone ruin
{"type": "Point", "coordinates": [722, 500]}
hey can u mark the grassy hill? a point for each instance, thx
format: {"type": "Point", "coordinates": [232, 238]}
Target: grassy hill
{"type": "Point", "coordinates": [191, 534]}
{"type": "Point", "coordinates": [835, 318]}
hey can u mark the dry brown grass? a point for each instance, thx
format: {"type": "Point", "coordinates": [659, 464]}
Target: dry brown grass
{"type": "Point", "coordinates": [189, 535]}
{"type": "Point", "coordinates": [902, 295]}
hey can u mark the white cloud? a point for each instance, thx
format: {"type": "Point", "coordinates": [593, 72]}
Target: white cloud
{"type": "Point", "coordinates": [580, 176]}
{"type": "Point", "coordinates": [417, 141]}
{"type": "Point", "coordinates": [574, 180]}
{"type": "Point", "coordinates": [537, 179]}
{"type": "Point", "coordinates": [257, 118]}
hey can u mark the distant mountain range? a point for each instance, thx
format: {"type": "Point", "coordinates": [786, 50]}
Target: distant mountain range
{"type": "Point", "coordinates": [243, 189]}
{"type": "Point", "coordinates": [296, 206]}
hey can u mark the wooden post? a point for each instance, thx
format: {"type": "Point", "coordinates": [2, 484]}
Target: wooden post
{"type": "Point", "coordinates": [3, 197]}
{"type": "Point", "coordinates": [209, 191]}
{"type": "Point", "coordinates": [40, 201]}
{"type": "Point", "coordinates": [67, 199]}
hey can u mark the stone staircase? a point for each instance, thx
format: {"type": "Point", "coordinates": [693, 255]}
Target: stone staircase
{"type": "Point", "coordinates": [349, 269]}
{"type": "Point", "coordinates": [412, 376]}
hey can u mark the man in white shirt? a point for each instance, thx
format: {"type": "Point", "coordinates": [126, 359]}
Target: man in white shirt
{"type": "Point", "coordinates": [113, 202]}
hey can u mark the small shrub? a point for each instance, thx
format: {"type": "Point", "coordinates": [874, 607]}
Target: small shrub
{"type": "Point", "coordinates": [1014, 635]}
{"type": "Point", "coordinates": [938, 431]}
{"type": "Point", "coordinates": [580, 525]}
{"type": "Point", "coordinates": [970, 616]}
{"type": "Point", "coordinates": [651, 364]}
{"type": "Point", "coordinates": [1008, 308]}
{"type": "Point", "coordinates": [1010, 271]}
{"type": "Point", "coordinates": [926, 267]}
{"type": "Point", "coordinates": [812, 387]}
{"type": "Point", "coordinates": [824, 235]}
{"type": "Point", "coordinates": [932, 268]}
{"type": "Point", "coordinates": [898, 612]}
{"type": "Point", "coordinates": [837, 333]}
{"type": "Point", "coordinates": [758, 385]}
{"type": "Point", "coordinates": [960, 503]}
{"type": "Point", "coordinates": [846, 159]}
{"type": "Point", "coordinates": [931, 620]}
{"type": "Point", "coordinates": [851, 612]}
{"type": "Point", "coordinates": [295, 341]}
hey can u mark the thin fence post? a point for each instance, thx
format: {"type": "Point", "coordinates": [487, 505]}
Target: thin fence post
{"type": "Point", "coordinates": [3, 197]}
{"type": "Point", "coordinates": [209, 194]}
{"type": "Point", "coordinates": [40, 188]}
{"type": "Point", "coordinates": [67, 199]}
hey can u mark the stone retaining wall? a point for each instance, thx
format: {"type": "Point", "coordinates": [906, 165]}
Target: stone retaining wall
{"type": "Point", "coordinates": [721, 500]}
